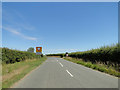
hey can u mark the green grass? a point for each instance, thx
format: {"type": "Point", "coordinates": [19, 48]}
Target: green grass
{"type": "Point", "coordinates": [99, 67]}
{"type": "Point", "coordinates": [8, 69]}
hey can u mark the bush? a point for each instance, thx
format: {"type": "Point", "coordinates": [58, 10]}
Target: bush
{"type": "Point", "coordinates": [60, 54]}
{"type": "Point", "coordinates": [101, 69]}
{"type": "Point", "coordinates": [12, 56]}
{"type": "Point", "coordinates": [108, 55]}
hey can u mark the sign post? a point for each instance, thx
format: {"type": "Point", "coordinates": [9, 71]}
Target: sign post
{"type": "Point", "coordinates": [38, 50]}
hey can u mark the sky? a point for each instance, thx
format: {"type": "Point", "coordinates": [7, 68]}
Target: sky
{"type": "Point", "coordinates": [59, 27]}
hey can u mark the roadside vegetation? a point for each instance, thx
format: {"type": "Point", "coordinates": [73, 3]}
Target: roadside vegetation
{"type": "Point", "coordinates": [100, 67]}
{"type": "Point", "coordinates": [12, 56]}
{"type": "Point", "coordinates": [105, 59]}
{"type": "Point", "coordinates": [16, 64]}
{"type": "Point", "coordinates": [57, 55]}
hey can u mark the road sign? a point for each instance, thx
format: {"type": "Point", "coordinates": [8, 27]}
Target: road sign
{"type": "Point", "coordinates": [38, 50]}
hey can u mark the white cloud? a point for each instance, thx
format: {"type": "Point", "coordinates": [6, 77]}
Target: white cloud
{"type": "Point", "coordinates": [10, 16]}
{"type": "Point", "coordinates": [29, 38]}
{"type": "Point", "coordinates": [14, 31]}
{"type": "Point", "coordinates": [17, 27]}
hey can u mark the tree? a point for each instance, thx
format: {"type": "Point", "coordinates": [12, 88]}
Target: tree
{"type": "Point", "coordinates": [31, 49]}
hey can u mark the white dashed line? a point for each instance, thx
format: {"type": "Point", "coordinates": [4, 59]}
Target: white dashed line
{"type": "Point", "coordinates": [69, 73]}
{"type": "Point", "coordinates": [57, 60]}
{"type": "Point", "coordinates": [61, 64]}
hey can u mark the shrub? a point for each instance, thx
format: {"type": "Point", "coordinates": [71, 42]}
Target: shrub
{"type": "Point", "coordinates": [12, 56]}
{"type": "Point", "coordinates": [108, 55]}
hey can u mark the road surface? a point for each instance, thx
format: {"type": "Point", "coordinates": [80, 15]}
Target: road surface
{"type": "Point", "coordinates": [59, 73]}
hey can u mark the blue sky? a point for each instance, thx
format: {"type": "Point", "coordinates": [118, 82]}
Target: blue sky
{"type": "Point", "coordinates": [59, 27]}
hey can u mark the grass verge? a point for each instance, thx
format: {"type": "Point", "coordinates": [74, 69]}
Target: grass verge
{"type": "Point", "coordinates": [99, 67]}
{"type": "Point", "coordinates": [12, 73]}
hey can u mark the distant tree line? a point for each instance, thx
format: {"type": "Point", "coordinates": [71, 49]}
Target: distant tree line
{"type": "Point", "coordinates": [60, 54]}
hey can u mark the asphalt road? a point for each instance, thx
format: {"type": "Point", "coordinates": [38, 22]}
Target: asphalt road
{"type": "Point", "coordinates": [59, 73]}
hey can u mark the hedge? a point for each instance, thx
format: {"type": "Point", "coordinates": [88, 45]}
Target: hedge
{"type": "Point", "coordinates": [12, 56]}
{"type": "Point", "coordinates": [108, 55]}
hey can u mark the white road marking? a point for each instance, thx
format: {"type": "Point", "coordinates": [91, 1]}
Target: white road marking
{"type": "Point", "coordinates": [61, 64]}
{"type": "Point", "coordinates": [57, 60]}
{"type": "Point", "coordinates": [69, 73]}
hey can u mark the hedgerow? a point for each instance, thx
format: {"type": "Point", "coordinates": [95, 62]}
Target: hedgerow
{"type": "Point", "coordinates": [60, 54]}
{"type": "Point", "coordinates": [12, 56]}
{"type": "Point", "coordinates": [107, 55]}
